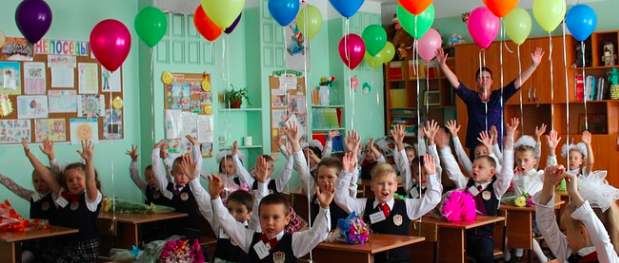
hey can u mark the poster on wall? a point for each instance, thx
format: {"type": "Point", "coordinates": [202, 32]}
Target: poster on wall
{"type": "Point", "coordinates": [12, 131]}
{"type": "Point", "coordinates": [51, 129]}
{"type": "Point", "coordinates": [288, 106]}
{"type": "Point", "coordinates": [296, 52]}
{"type": "Point", "coordinates": [84, 129]}
{"type": "Point", "coordinates": [17, 49]}
{"type": "Point", "coordinates": [10, 78]}
{"type": "Point", "coordinates": [34, 78]}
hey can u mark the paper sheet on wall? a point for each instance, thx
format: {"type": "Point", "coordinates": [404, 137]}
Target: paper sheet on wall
{"type": "Point", "coordinates": [54, 61]}
{"type": "Point", "coordinates": [288, 83]}
{"type": "Point", "coordinates": [88, 74]}
{"type": "Point", "coordinates": [31, 107]}
{"type": "Point", "coordinates": [34, 78]}
{"type": "Point", "coordinates": [62, 101]}
{"type": "Point", "coordinates": [173, 123]}
{"type": "Point", "coordinates": [12, 131]}
{"type": "Point", "coordinates": [113, 125]}
{"type": "Point", "coordinates": [10, 78]}
{"type": "Point", "coordinates": [84, 129]}
{"type": "Point", "coordinates": [63, 77]}
{"type": "Point", "coordinates": [189, 124]}
{"type": "Point", "coordinates": [205, 128]}
{"type": "Point", "coordinates": [51, 129]}
{"type": "Point", "coordinates": [110, 81]}
{"type": "Point", "coordinates": [91, 106]}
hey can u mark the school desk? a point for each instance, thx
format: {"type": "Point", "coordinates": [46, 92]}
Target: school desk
{"type": "Point", "coordinates": [448, 238]}
{"type": "Point", "coordinates": [338, 252]}
{"type": "Point", "coordinates": [9, 241]}
{"type": "Point", "coordinates": [127, 230]}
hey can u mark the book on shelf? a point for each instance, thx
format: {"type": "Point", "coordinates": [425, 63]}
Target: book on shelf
{"type": "Point", "coordinates": [426, 69]}
{"type": "Point", "coordinates": [326, 118]}
{"type": "Point", "coordinates": [338, 142]}
{"type": "Point", "coordinates": [593, 88]}
{"type": "Point", "coordinates": [395, 70]}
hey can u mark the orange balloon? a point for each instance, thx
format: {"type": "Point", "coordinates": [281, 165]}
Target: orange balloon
{"type": "Point", "coordinates": [501, 8]}
{"type": "Point", "coordinates": [205, 26]}
{"type": "Point", "coordinates": [416, 7]}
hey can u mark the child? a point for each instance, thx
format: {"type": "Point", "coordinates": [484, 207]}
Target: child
{"type": "Point", "coordinates": [387, 215]}
{"type": "Point", "coordinates": [487, 190]}
{"type": "Point", "coordinates": [228, 173]}
{"type": "Point", "coordinates": [313, 153]}
{"type": "Point", "coordinates": [487, 146]}
{"type": "Point", "coordinates": [370, 158]}
{"type": "Point", "coordinates": [586, 240]}
{"type": "Point", "coordinates": [276, 185]}
{"type": "Point", "coordinates": [78, 203]}
{"type": "Point", "coordinates": [179, 193]}
{"type": "Point", "coordinates": [602, 198]}
{"type": "Point", "coordinates": [577, 154]}
{"type": "Point", "coordinates": [148, 188]}
{"type": "Point", "coordinates": [273, 245]}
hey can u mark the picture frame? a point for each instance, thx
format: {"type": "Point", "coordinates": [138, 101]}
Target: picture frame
{"type": "Point", "coordinates": [432, 98]}
{"type": "Point", "coordinates": [597, 123]}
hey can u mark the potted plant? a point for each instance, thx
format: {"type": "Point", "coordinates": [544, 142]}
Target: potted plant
{"type": "Point", "coordinates": [234, 98]}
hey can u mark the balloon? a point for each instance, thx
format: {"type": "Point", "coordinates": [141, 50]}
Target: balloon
{"type": "Point", "coordinates": [110, 42]}
{"type": "Point", "coordinates": [415, 7]}
{"type": "Point", "coordinates": [352, 50]}
{"type": "Point", "coordinates": [205, 26]}
{"type": "Point", "coordinates": [314, 21]}
{"type": "Point", "coordinates": [284, 11]}
{"type": "Point", "coordinates": [483, 26]}
{"type": "Point", "coordinates": [222, 12]}
{"type": "Point", "coordinates": [374, 61]}
{"type": "Point", "coordinates": [33, 19]}
{"type": "Point", "coordinates": [424, 21]}
{"type": "Point", "coordinates": [581, 21]}
{"type": "Point", "coordinates": [151, 25]}
{"type": "Point", "coordinates": [549, 13]}
{"type": "Point", "coordinates": [234, 24]}
{"type": "Point", "coordinates": [429, 43]}
{"type": "Point", "coordinates": [347, 8]}
{"type": "Point", "coordinates": [518, 25]}
{"type": "Point", "coordinates": [375, 39]}
{"type": "Point", "coordinates": [388, 52]}
{"type": "Point", "coordinates": [501, 8]}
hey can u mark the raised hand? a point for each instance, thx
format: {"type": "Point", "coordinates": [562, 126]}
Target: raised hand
{"type": "Point", "coordinates": [486, 139]}
{"type": "Point", "coordinates": [261, 169]}
{"type": "Point", "coordinates": [441, 57]}
{"type": "Point", "coordinates": [87, 150]}
{"type": "Point", "coordinates": [163, 154]}
{"type": "Point", "coordinates": [24, 143]}
{"type": "Point", "coordinates": [536, 57]}
{"type": "Point", "coordinates": [235, 148]}
{"type": "Point", "coordinates": [48, 149]}
{"type": "Point", "coordinates": [571, 183]}
{"type": "Point", "coordinates": [292, 132]}
{"type": "Point", "coordinates": [421, 131]}
{"type": "Point", "coordinates": [398, 134]}
{"type": "Point", "coordinates": [214, 186]}
{"type": "Point", "coordinates": [553, 140]}
{"type": "Point", "coordinates": [352, 141]}
{"type": "Point", "coordinates": [512, 126]}
{"type": "Point", "coordinates": [539, 131]}
{"type": "Point", "coordinates": [554, 174]}
{"type": "Point", "coordinates": [428, 164]}
{"type": "Point", "coordinates": [159, 145]}
{"type": "Point", "coordinates": [453, 128]}
{"type": "Point", "coordinates": [325, 195]}
{"type": "Point", "coordinates": [349, 161]}
{"type": "Point", "coordinates": [333, 134]}
{"type": "Point", "coordinates": [133, 153]}
{"type": "Point", "coordinates": [494, 134]}
{"type": "Point", "coordinates": [586, 137]}
{"type": "Point", "coordinates": [430, 131]}
{"type": "Point", "coordinates": [189, 167]}
{"type": "Point", "coordinates": [193, 140]}
{"type": "Point", "coordinates": [442, 139]}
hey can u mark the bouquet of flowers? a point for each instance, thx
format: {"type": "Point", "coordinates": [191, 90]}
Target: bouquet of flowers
{"type": "Point", "coordinates": [126, 206]}
{"type": "Point", "coordinates": [351, 230]}
{"type": "Point", "coordinates": [458, 206]}
{"type": "Point", "coordinates": [12, 221]}
{"type": "Point", "coordinates": [327, 81]}
{"type": "Point", "coordinates": [524, 200]}
{"type": "Point", "coordinates": [179, 251]}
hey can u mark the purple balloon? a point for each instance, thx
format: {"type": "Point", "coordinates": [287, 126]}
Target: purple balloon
{"type": "Point", "coordinates": [233, 26]}
{"type": "Point", "coordinates": [33, 19]}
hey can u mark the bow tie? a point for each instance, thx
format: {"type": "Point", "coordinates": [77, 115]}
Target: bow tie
{"type": "Point", "coordinates": [178, 189]}
{"type": "Point", "coordinates": [70, 197]}
{"type": "Point", "coordinates": [575, 258]}
{"type": "Point", "coordinates": [271, 242]}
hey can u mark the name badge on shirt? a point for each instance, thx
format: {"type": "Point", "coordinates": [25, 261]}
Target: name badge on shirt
{"type": "Point", "coordinates": [262, 249]}
{"type": "Point", "coordinates": [45, 206]}
{"type": "Point", "coordinates": [184, 196]}
{"type": "Point", "coordinates": [414, 194]}
{"type": "Point", "coordinates": [377, 217]}
{"type": "Point", "coordinates": [473, 191]}
{"type": "Point", "coordinates": [223, 234]}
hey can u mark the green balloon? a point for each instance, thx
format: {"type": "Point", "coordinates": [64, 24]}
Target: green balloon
{"type": "Point", "coordinates": [518, 25]}
{"type": "Point", "coordinates": [151, 25]}
{"type": "Point", "coordinates": [424, 21]}
{"type": "Point", "coordinates": [375, 39]}
{"type": "Point", "coordinates": [374, 61]}
{"type": "Point", "coordinates": [314, 21]}
{"type": "Point", "coordinates": [549, 13]}
{"type": "Point", "coordinates": [388, 52]}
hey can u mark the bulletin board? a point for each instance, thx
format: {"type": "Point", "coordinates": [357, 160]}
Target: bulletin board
{"type": "Point", "coordinates": [70, 108]}
{"type": "Point", "coordinates": [188, 110]}
{"type": "Point", "coordinates": [288, 104]}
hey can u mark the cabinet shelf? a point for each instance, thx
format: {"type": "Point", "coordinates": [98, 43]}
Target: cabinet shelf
{"type": "Point", "coordinates": [598, 67]}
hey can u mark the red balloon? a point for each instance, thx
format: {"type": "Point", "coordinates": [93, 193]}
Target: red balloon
{"type": "Point", "coordinates": [415, 7]}
{"type": "Point", "coordinates": [205, 26]}
{"type": "Point", "coordinates": [110, 42]}
{"type": "Point", "coordinates": [352, 50]}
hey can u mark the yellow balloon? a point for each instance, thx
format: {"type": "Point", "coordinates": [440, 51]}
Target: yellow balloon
{"type": "Point", "coordinates": [388, 52]}
{"type": "Point", "coordinates": [549, 13]}
{"type": "Point", "coordinates": [518, 25]}
{"type": "Point", "coordinates": [222, 12]}
{"type": "Point", "coordinates": [313, 18]}
{"type": "Point", "coordinates": [375, 62]}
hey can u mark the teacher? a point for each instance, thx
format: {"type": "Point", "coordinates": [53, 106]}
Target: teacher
{"type": "Point", "coordinates": [484, 105]}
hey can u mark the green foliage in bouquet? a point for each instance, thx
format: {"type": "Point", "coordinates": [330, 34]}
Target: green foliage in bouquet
{"type": "Point", "coordinates": [126, 206]}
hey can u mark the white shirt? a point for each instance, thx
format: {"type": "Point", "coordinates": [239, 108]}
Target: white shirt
{"type": "Point", "coordinates": [90, 204]}
{"type": "Point", "coordinates": [159, 172]}
{"type": "Point", "coordinates": [307, 180]}
{"type": "Point", "coordinates": [302, 242]}
{"type": "Point", "coordinates": [557, 241]}
{"type": "Point", "coordinates": [248, 179]}
{"type": "Point", "coordinates": [415, 208]}
{"type": "Point", "coordinates": [466, 163]}
{"type": "Point", "coordinates": [530, 182]}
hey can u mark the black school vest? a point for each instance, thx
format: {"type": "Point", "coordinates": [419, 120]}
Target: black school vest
{"type": "Point", "coordinates": [282, 253]}
{"type": "Point", "coordinates": [335, 211]}
{"type": "Point", "coordinates": [153, 195]}
{"type": "Point", "coordinates": [366, 167]}
{"type": "Point", "coordinates": [272, 186]}
{"type": "Point", "coordinates": [228, 250]}
{"type": "Point", "coordinates": [76, 215]}
{"type": "Point", "coordinates": [484, 207]}
{"type": "Point", "coordinates": [388, 226]}
{"type": "Point", "coordinates": [44, 208]}
{"type": "Point", "coordinates": [184, 202]}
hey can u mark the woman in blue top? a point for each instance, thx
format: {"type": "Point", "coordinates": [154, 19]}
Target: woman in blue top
{"type": "Point", "coordinates": [484, 104]}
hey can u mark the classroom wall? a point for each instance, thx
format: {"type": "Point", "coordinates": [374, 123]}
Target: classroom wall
{"type": "Point", "coordinates": [74, 20]}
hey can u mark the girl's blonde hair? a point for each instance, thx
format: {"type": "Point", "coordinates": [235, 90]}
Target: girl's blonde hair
{"type": "Point", "coordinates": [610, 220]}
{"type": "Point", "coordinates": [382, 170]}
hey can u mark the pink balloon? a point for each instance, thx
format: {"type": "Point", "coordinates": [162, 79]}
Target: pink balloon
{"type": "Point", "coordinates": [429, 43]}
{"type": "Point", "coordinates": [110, 42]}
{"type": "Point", "coordinates": [483, 26]}
{"type": "Point", "coordinates": [352, 50]}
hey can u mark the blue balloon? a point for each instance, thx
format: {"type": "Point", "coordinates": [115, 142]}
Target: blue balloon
{"type": "Point", "coordinates": [581, 21]}
{"type": "Point", "coordinates": [347, 8]}
{"type": "Point", "coordinates": [284, 11]}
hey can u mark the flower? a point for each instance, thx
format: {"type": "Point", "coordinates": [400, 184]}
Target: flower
{"type": "Point", "coordinates": [520, 201]}
{"type": "Point", "coordinates": [327, 82]}
{"type": "Point", "coordinates": [353, 230]}
{"type": "Point", "coordinates": [459, 206]}
{"type": "Point", "coordinates": [182, 251]}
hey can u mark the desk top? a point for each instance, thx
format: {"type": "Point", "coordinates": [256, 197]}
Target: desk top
{"type": "Point", "coordinates": [479, 221]}
{"type": "Point", "coordinates": [378, 243]}
{"type": "Point", "coordinates": [140, 218]}
{"type": "Point", "coordinates": [52, 231]}
{"type": "Point", "coordinates": [507, 207]}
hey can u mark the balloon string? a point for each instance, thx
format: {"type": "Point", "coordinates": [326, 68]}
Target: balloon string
{"type": "Point", "coordinates": [416, 67]}
{"type": "Point", "coordinates": [426, 100]}
{"type": "Point", "coordinates": [501, 70]}
{"type": "Point", "coordinates": [520, 81]}
{"type": "Point", "coordinates": [552, 83]}
{"type": "Point", "coordinates": [112, 146]}
{"type": "Point", "coordinates": [584, 78]}
{"type": "Point", "coordinates": [349, 74]}
{"type": "Point", "coordinates": [308, 116]}
{"type": "Point", "coordinates": [482, 59]}
{"type": "Point", "coordinates": [567, 91]}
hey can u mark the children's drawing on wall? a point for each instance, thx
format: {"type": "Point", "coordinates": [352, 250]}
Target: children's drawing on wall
{"type": "Point", "coordinates": [51, 129]}
{"type": "Point", "coordinates": [10, 83]}
{"type": "Point", "coordinates": [113, 125]}
{"type": "Point", "coordinates": [195, 106]}
{"type": "Point", "coordinates": [12, 131]}
{"type": "Point", "coordinates": [297, 104]}
{"type": "Point", "coordinates": [110, 81]}
{"type": "Point", "coordinates": [84, 129]}
{"type": "Point", "coordinates": [17, 49]}
{"type": "Point", "coordinates": [179, 95]}
{"type": "Point", "coordinates": [295, 48]}
{"type": "Point", "coordinates": [90, 106]}
{"type": "Point", "coordinates": [62, 101]}
{"type": "Point", "coordinates": [34, 78]}
{"type": "Point", "coordinates": [278, 99]}
{"type": "Point", "coordinates": [31, 107]}
{"type": "Point", "coordinates": [279, 118]}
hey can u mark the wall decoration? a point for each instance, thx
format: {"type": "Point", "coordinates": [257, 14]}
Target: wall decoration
{"type": "Point", "coordinates": [88, 78]}
{"type": "Point", "coordinates": [31, 107]}
{"type": "Point", "coordinates": [12, 131]}
{"type": "Point", "coordinates": [112, 125]}
{"type": "Point", "coordinates": [17, 49]}
{"type": "Point", "coordinates": [84, 129]}
{"type": "Point", "coordinates": [296, 54]}
{"type": "Point", "coordinates": [34, 78]}
{"type": "Point", "coordinates": [288, 104]}
{"type": "Point", "coordinates": [51, 129]}
{"type": "Point", "coordinates": [61, 101]}
{"type": "Point", "coordinates": [10, 78]}
{"type": "Point", "coordinates": [90, 106]}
